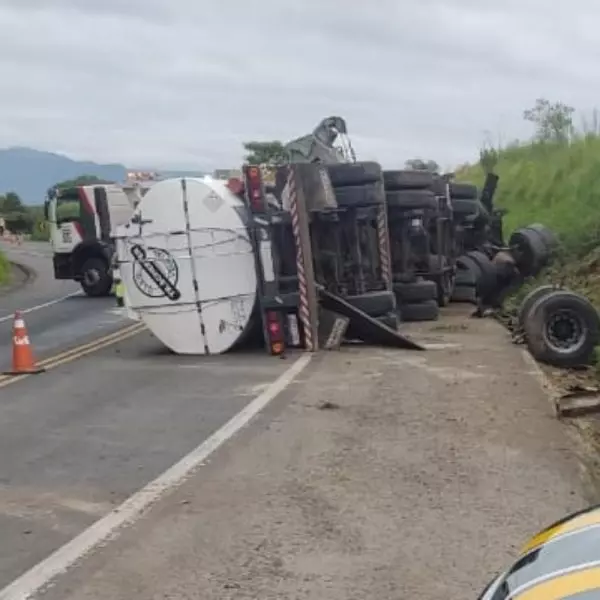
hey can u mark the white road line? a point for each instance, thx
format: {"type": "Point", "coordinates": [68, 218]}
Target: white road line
{"type": "Point", "coordinates": [44, 305]}
{"type": "Point", "coordinates": [108, 527]}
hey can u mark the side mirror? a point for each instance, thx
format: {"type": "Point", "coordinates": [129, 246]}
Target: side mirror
{"type": "Point", "coordinates": [46, 211]}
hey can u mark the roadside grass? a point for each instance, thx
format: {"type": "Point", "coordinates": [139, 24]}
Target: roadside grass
{"type": "Point", "coordinates": [557, 185]}
{"type": "Point", "coordinates": [5, 270]}
{"type": "Point", "coordinates": [551, 183]}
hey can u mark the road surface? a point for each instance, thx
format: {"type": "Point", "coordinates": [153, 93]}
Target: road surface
{"type": "Point", "coordinates": [79, 439]}
{"type": "Point", "coordinates": [57, 314]}
{"type": "Point", "coordinates": [379, 474]}
{"type": "Point", "coordinates": [134, 474]}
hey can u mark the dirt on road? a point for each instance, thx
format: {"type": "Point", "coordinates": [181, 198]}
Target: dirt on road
{"type": "Point", "coordinates": [381, 474]}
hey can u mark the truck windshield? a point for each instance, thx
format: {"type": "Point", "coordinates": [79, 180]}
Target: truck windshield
{"type": "Point", "coordinates": [68, 207]}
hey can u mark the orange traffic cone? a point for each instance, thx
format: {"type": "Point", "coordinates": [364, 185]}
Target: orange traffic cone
{"type": "Point", "coordinates": [23, 362]}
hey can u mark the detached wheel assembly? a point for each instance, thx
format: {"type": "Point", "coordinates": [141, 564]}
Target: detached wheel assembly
{"type": "Point", "coordinates": [530, 250]}
{"type": "Point", "coordinates": [546, 234]}
{"type": "Point", "coordinates": [530, 300]}
{"type": "Point", "coordinates": [562, 329]}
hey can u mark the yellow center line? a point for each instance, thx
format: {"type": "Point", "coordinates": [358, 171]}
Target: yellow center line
{"type": "Point", "coordinates": [78, 352]}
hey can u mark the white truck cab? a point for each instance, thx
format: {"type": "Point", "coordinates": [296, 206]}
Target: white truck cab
{"type": "Point", "coordinates": [82, 222]}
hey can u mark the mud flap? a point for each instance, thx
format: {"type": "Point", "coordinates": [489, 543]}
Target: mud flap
{"type": "Point", "coordinates": [369, 330]}
{"type": "Point", "coordinates": [332, 329]}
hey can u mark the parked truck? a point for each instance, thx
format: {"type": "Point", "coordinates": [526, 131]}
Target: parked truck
{"type": "Point", "coordinates": [82, 222]}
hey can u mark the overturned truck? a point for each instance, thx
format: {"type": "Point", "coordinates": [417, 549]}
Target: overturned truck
{"type": "Point", "coordinates": [208, 269]}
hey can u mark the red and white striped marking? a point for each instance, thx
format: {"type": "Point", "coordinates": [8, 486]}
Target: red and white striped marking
{"type": "Point", "coordinates": [20, 337]}
{"type": "Point", "coordinates": [303, 307]}
{"type": "Point", "coordinates": [384, 246]}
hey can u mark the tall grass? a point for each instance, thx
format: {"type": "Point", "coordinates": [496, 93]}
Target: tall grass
{"type": "Point", "coordinates": [557, 184]}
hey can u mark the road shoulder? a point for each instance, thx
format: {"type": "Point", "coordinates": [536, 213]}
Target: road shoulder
{"type": "Point", "coordinates": [380, 474]}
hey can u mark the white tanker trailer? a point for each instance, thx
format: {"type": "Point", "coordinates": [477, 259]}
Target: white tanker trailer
{"type": "Point", "coordinates": [188, 266]}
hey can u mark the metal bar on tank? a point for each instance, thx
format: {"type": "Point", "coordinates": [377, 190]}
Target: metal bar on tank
{"type": "Point", "coordinates": [188, 233]}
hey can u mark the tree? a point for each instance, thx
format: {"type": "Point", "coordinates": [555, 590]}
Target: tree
{"type": "Point", "coordinates": [259, 153]}
{"type": "Point", "coordinates": [417, 164]}
{"type": "Point", "coordinates": [11, 203]}
{"type": "Point", "coordinates": [553, 122]}
{"type": "Point", "coordinates": [16, 215]}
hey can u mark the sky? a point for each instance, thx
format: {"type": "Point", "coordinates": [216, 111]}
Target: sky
{"type": "Point", "coordinates": [183, 83]}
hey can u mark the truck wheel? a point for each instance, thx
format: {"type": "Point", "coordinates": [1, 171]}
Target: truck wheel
{"type": "Point", "coordinates": [563, 329]}
{"type": "Point", "coordinates": [530, 250]}
{"type": "Point", "coordinates": [423, 311]}
{"type": "Point", "coordinates": [546, 234]}
{"type": "Point", "coordinates": [359, 195]}
{"type": "Point", "coordinates": [464, 293]}
{"type": "Point", "coordinates": [489, 276]}
{"type": "Point", "coordinates": [468, 271]}
{"type": "Point", "coordinates": [358, 173]}
{"type": "Point", "coordinates": [407, 180]}
{"type": "Point", "coordinates": [462, 207]}
{"type": "Point", "coordinates": [411, 200]}
{"type": "Point", "coordinates": [375, 304]}
{"type": "Point", "coordinates": [530, 300]}
{"type": "Point", "coordinates": [415, 292]}
{"type": "Point", "coordinates": [464, 191]}
{"type": "Point", "coordinates": [95, 277]}
{"type": "Point", "coordinates": [465, 277]}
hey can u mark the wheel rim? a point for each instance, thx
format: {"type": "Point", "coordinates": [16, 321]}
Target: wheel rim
{"type": "Point", "coordinates": [91, 276]}
{"type": "Point", "coordinates": [565, 331]}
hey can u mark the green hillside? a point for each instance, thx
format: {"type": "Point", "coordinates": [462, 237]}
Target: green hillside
{"type": "Point", "coordinates": [555, 183]}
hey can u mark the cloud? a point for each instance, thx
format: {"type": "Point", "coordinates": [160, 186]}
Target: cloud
{"type": "Point", "coordinates": [178, 83]}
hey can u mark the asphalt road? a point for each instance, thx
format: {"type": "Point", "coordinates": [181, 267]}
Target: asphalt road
{"type": "Point", "coordinates": [57, 314]}
{"type": "Point", "coordinates": [421, 478]}
{"type": "Point", "coordinates": [82, 437]}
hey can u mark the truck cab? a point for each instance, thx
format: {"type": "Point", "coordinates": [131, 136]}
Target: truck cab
{"type": "Point", "coordinates": [82, 223]}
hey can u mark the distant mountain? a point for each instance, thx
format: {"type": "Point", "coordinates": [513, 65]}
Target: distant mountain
{"type": "Point", "coordinates": [30, 172]}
